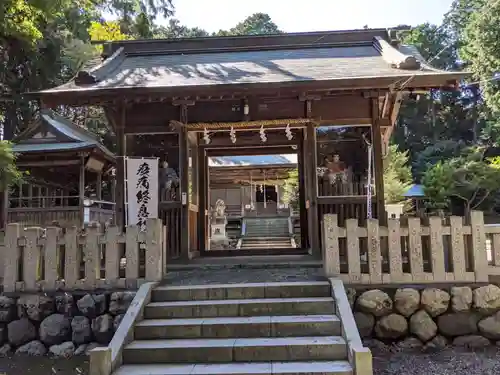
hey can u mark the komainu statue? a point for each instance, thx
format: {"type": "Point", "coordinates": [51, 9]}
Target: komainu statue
{"type": "Point", "coordinates": [220, 209]}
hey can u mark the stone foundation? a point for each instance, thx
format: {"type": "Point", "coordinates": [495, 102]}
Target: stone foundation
{"type": "Point", "coordinates": [430, 318]}
{"type": "Point", "coordinates": [60, 326]}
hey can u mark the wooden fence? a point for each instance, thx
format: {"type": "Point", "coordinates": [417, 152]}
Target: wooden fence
{"type": "Point", "coordinates": [36, 259]}
{"type": "Point", "coordinates": [412, 251]}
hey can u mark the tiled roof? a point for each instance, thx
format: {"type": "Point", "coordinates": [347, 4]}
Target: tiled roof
{"type": "Point", "coordinates": [134, 65]}
{"type": "Point", "coordinates": [415, 191]}
{"type": "Point", "coordinates": [75, 137]}
{"type": "Point", "coordinates": [34, 147]}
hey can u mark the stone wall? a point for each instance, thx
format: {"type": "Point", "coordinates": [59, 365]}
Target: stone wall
{"type": "Point", "coordinates": [61, 326]}
{"type": "Point", "coordinates": [429, 318]}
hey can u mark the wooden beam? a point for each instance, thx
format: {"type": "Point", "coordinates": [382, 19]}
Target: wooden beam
{"type": "Point", "coordinates": [202, 202]}
{"type": "Point", "coordinates": [184, 181]}
{"type": "Point", "coordinates": [377, 160]}
{"type": "Point", "coordinates": [121, 153]}
{"type": "Point", "coordinates": [81, 190]}
{"type": "Point", "coordinates": [183, 102]}
{"type": "Point", "coordinates": [48, 163]}
{"type": "Point", "coordinates": [5, 208]}
{"type": "Point", "coordinates": [386, 105]}
{"type": "Point", "coordinates": [99, 186]}
{"type": "Point", "coordinates": [398, 100]}
{"type": "Point", "coordinates": [311, 181]}
{"type": "Point", "coordinates": [393, 116]}
{"type": "Point", "coordinates": [201, 126]}
{"type": "Point", "coordinates": [248, 142]}
{"type": "Point", "coordinates": [245, 151]}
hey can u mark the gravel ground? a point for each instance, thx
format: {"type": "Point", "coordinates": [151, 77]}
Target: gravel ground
{"type": "Point", "coordinates": [20, 365]}
{"type": "Point", "coordinates": [451, 361]}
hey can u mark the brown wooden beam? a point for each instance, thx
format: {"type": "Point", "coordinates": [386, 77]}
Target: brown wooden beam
{"type": "Point", "coordinates": [47, 163]}
{"type": "Point", "coordinates": [245, 151]}
{"type": "Point", "coordinates": [184, 181]}
{"type": "Point", "coordinates": [121, 153]}
{"type": "Point", "coordinates": [378, 161]}
{"type": "Point", "coordinates": [203, 201]}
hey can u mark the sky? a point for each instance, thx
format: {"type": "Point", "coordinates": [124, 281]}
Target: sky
{"type": "Point", "coordinates": [311, 15]}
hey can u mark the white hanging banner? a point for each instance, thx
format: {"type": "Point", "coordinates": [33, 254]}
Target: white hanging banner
{"type": "Point", "coordinates": [142, 190]}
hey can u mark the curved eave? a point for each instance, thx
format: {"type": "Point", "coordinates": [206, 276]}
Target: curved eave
{"type": "Point", "coordinates": [105, 154]}
{"type": "Point", "coordinates": [92, 95]}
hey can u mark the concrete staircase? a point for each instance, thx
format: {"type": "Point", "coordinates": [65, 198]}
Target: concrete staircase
{"type": "Point", "coordinates": [244, 329]}
{"type": "Point", "coordinates": [267, 227]}
{"type": "Point", "coordinates": [251, 243]}
{"type": "Point", "coordinates": [266, 233]}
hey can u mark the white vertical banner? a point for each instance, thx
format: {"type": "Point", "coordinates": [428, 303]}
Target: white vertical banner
{"type": "Point", "coordinates": [142, 190]}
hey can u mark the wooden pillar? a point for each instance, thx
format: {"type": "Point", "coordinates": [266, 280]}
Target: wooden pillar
{"type": "Point", "coordinates": [202, 200]}
{"type": "Point", "coordinates": [304, 238]}
{"type": "Point", "coordinates": [184, 179]}
{"type": "Point", "coordinates": [99, 186]}
{"type": "Point", "coordinates": [121, 152]}
{"type": "Point", "coordinates": [311, 182]}
{"type": "Point", "coordinates": [30, 194]}
{"type": "Point", "coordinates": [5, 209]}
{"type": "Point", "coordinates": [377, 161]}
{"type": "Point", "coordinates": [81, 189]}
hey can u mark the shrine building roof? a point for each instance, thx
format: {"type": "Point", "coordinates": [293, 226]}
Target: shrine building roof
{"type": "Point", "coordinates": [368, 58]}
{"type": "Point", "coordinates": [54, 133]}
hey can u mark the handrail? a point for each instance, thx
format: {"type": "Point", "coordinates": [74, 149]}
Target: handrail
{"type": "Point", "coordinates": [104, 361]}
{"type": "Point", "coordinates": [243, 227]}
{"type": "Point", "coordinates": [359, 357]}
{"type": "Point", "coordinates": [290, 226]}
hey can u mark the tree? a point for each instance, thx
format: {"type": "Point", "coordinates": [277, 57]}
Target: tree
{"type": "Point", "coordinates": [256, 24]}
{"type": "Point", "coordinates": [468, 178]}
{"type": "Point", "coordinates": [397, 175]}
{"type": "Point", "coordinates": [438, 182]}
{"type": "Point", "coordinates": [442, 150]}
{"type": "Point", "coordinates": [291, 189]}
{"type": "Point", "coordinates": [176, 30]}
{"type": "Point", "coordinates": [9, 173]}
{"type": "Point", "coordinates": [482, 51]}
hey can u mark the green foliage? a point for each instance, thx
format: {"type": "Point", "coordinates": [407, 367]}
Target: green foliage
{"type": "Point", "coordinates": [397, 175]}
{"type": "Point", "coordinates": [256, 24]}
{"type": "Point", "coordinates": [442, 150]}
{"type": "Point", "coordinates": [469, 178]}
{"type": "Point", "coordinates": [482, 50]}
{"type": "Point", "coordinates": [291, 189]}
{"type": "Point", "coordinates": [438, 183]}
{"type": "Point", "coordinates": [9, 173]}
{"type": "Point", "coordinates": [176, 30]}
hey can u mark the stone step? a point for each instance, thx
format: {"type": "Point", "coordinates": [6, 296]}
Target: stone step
{"type": "Point", "coordinates": [239, 307]}
{"type": "Point", "coordinates": [241, 327]}
{"type": "Point", "coordinates": [265, 368]}
{"type": "Point", "coordinates": [320, 348]}
{"type": "Point", "coordinates": [264, 244]}
{"type": "Point", "coordinates": [241, 291]}
{"type": "Point", "coordinates": [266, 236]}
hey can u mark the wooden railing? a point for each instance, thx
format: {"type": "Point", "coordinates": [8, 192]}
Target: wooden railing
{"type": "Point", "coordinates": [36, 259]}
{"type": "Point", "coordinates": [354, 186]}
{"type": "Point", "coordinates": [64, 215]}
{"type": "Point", "coordinates": [411, 250]}
{"type": "Point", "coordinates": [170, 209]}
